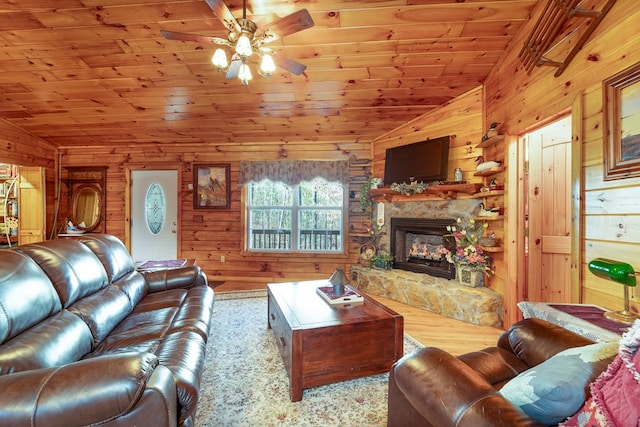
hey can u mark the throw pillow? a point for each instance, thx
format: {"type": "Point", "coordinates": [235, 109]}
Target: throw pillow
{"type": "Point", "coordinates": [587, 416]}
{"type": "Point", "coordinates": [555, 389]}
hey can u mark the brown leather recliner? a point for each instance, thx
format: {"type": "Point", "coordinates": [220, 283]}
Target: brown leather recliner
{"type": "Point", "coordinates": [430, 387]}
{"type": "Point", "coordinates": [85, 339]}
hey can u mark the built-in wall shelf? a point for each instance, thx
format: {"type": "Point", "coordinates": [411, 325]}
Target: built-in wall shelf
{"type": "Point", "coordinates": [491, 141]}
{"type": "Point", "coordinates": [433, 192]}
{"type": "Point", "coordinates": [490, 218]}
{"type": "Point", "coordinates": [493, 249]}
{"type": "Point", "coordinates": [490, 171]}
{"type": "Point", "coordinates": [484, 194]}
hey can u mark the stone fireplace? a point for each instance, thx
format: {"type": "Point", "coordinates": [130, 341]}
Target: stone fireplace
{"type": "Point", "coordinates": [423, 280]}
{"type": "Point", "coordinates": [416, 243]}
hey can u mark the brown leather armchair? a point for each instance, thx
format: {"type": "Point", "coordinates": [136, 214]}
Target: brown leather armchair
{"type": "Point", "coordinates": [430, 387]}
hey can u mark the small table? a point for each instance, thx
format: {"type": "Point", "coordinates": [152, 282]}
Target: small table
{"type": "Point", "coordinates": [322, 344]}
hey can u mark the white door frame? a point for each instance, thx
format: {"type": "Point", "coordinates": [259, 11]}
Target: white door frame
{"type": "Point", "coordinates": [128, 168]}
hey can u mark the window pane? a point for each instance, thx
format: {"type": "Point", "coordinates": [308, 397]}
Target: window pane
{"type": "Point", "coordinates": [270, 216]}
{"type": "Point", "coordinates": [155, 208]}
{"type": "Point", "coordinates": [320, 230]}
{"type": "Point", "coordinates": [275, 219]}
{"type": "Point", "coordinates": [307, 217]}
{"type": "Point", "coordinates": [268, 193]}
{"type": "Point", "coordinates": [321, 193]}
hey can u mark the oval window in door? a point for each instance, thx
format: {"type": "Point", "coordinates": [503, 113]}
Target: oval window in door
{"type": "Point", "coordinates": [155, 208]}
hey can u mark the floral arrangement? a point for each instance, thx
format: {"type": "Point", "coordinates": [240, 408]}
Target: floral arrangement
{"type": "Point", "coordinates": [375, 232]}
{"type": "Point", "coordinates": [413, 187]}
{"type": "Point", "coordinates": [468, 252]}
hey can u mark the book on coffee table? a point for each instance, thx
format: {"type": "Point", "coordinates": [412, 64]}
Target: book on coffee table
{"type": "Point", "coordinates": [350, 296]}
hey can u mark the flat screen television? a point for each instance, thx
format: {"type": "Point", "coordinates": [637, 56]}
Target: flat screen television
{"type": "Point", "coordinates": [425, 161]}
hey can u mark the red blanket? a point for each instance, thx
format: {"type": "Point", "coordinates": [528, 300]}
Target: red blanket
{"type": "Point", "coordinates": [616, 392]}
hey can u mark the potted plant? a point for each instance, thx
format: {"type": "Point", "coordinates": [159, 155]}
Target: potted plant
{"type": "Point", "coordinates": [382, 260]}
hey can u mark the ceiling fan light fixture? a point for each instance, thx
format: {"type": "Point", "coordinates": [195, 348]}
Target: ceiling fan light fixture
{"type": "Point", "coordinates": [267, 66]}
{"type": "Point", "coordinates": [243, 47]}
{"type": "Point", "coordinates": [245, 74]}
{"type": "Point", "coordinates": [219, 59]}
{"type": "Point", "coordinates": [243, 37]}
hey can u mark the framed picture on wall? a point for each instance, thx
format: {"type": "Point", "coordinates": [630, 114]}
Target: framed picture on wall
{"type": "Point", "coordinates": [211, 189]}
{"type": "Point", "coordinates": [621, 110]}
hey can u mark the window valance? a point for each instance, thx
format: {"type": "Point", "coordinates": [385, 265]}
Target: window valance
{"type": "Point", "coordinates": [291, 172]}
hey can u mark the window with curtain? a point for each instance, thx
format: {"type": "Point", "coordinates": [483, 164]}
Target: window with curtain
{"type": "Point", "coordinates": [287, 214]}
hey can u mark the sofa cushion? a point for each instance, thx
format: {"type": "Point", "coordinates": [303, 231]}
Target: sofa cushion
{"type": "Point", "coordinates": [556, 388]}
{"type": "Point", "coordinates": [112, 253]}
{"type": "Point", "coordinates": [73, 269]}
{"type": "Point", "coordinates": [25, 305]}
{"type": "Point", "coordinates": [102, 311]}
{"type": "Point", "coordinates": [63, 338]}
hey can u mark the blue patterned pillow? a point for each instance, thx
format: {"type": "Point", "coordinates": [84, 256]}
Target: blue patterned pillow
{"type": "Point", "coordinates": [555, 389]}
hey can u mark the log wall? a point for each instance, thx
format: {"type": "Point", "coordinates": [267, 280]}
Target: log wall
{"type": "Point", "coordinates": [20, 148]}
{"type": "Point", "coordinates": [608, 213]}
{"type": "Point", "coordinates": [206, 235]}
{"type": "Point", "coordinates": [608, 210]}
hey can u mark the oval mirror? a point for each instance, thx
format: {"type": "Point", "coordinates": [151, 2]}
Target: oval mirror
{"type": "Point", "coordinates": [86, 206]}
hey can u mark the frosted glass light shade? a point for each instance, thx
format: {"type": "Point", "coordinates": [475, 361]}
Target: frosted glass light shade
{"type": "Point", "coordinates": [219, 59]}
{"type": "Point", "coordinates": [267, 66]}
{"type": "Point", "coordinates": [244, 74]}
{"type": "Point", "coordinates": [243, 47]}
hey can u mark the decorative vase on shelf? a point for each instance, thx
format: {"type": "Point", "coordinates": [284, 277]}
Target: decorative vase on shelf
{"type": "Point", "coordinates": [468, 277]}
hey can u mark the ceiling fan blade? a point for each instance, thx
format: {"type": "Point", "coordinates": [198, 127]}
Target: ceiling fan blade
{"type": "Point", "coordinates": [234, 69]}
{"type": "Point", "coordinates": [224, 14]}
{"type": "Point", "coordinates": [172, 35]}
{"type": "Point", "coordinates": [288, 64]}
{"type": "Point", "coordinates": [290, 24]}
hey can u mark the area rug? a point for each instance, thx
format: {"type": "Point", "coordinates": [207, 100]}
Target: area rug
{"type": "Point", "coordinates": [245, 384]}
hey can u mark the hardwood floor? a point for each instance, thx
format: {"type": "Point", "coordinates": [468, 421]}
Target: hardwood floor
{"type": "Point", "coordinates": [430, 329]}
{"type": "Point", "coordinates": [434, 330]}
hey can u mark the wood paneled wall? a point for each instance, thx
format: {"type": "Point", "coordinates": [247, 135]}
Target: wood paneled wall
{"type": "Point", "coordinates": [516, 99]}
{"type": "Point", "coordinates": [23, 149]}
{"type": "Point", "coordinates": [463, 119]}
{"type": "Point", "coordinates": [520, 101]}
{"type": "Point", "coordinates": [206, 235]}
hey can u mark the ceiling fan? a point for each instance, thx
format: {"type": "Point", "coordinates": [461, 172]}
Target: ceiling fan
{"type": "Point", "coordinates": [247, 40]}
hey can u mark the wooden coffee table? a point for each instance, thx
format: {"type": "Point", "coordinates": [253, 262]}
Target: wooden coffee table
{"type": "Point", "coordinates": [322, 344]}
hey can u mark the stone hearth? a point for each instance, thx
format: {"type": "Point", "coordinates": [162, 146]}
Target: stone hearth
{"type": "Point", "coordinates": [480, 306]}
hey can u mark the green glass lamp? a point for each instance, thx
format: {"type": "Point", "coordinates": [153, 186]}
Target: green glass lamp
{"type": "Point", "coordinates": [618, 272]}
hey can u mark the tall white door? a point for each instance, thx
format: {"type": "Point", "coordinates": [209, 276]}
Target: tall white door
{"type": "Point", "coordinates": [154, 214]}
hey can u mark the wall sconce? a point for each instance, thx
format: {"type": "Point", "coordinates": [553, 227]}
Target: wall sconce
{"type": "Point", "coordinates": [620, 272]}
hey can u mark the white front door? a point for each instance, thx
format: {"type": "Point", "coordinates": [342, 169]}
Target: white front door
{"type": "Point", "coordinates": [154, 214]}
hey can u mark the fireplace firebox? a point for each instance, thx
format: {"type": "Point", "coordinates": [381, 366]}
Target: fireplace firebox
{"type": "Point", "coordinates": [416, 244]}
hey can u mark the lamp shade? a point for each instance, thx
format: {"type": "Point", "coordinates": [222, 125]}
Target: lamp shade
{"type": "Point", "coordinates": [338, 277]}
{"type": "Point", "coordinates": [267, 66]}
{"type": "Point", "coordinates": [219, 59]}
{"type": "Point", "coordinates": [243, 46]}
{"type": "Point", "coordinates": [613, 270]}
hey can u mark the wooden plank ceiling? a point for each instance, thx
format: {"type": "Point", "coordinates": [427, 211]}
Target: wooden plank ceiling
{"type": "Point", "coordinates": [95, 72]}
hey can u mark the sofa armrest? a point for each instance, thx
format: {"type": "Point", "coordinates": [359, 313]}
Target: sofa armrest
{"type": "Point", "coordinates": [175, 278]}
{"type": "Point", "coordinates": [447, 392]}
{"type": "Point", "coordinates": [88, 392]}
{"type": "Point", "coordinates": [536, 340]}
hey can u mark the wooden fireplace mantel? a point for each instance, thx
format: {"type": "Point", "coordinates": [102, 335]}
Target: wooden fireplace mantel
{"type": "Point", "coordinates": [433, 192]}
